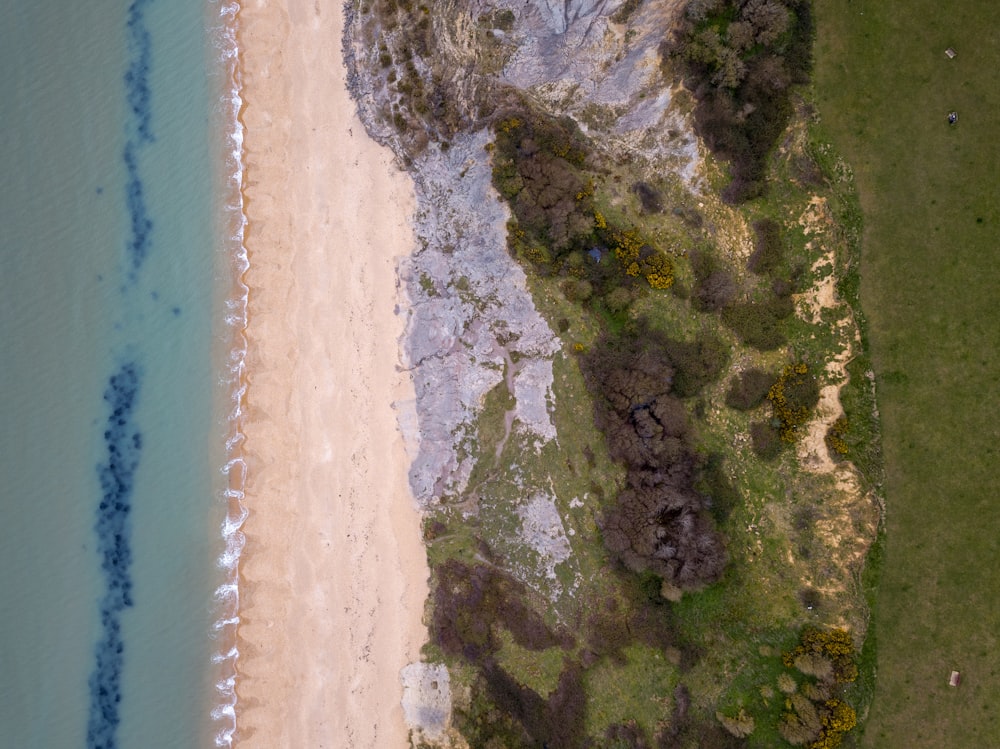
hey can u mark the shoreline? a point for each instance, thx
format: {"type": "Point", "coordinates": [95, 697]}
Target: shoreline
{"type": "Point", "coordinates": [327, 491]}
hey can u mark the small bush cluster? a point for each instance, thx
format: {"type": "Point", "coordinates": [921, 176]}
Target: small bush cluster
{"type": "Point", "coordinates": [718, 489]}
{"type": "Point", "coordinates": [649, 197]}
{"type": "Point", "coordinates": [749, 389]}
{"type": "Point", "coordinates": [739, 725]}
{"type": "Point", "coordinates": [638, 258]}
{"type": "Point", "coordinates": [832, 645]}
{"type": "Point", "coordinates": [740, 59]}
{"type": "Point", "coordinates": [540, 168]}
{"type": "Point", "coordinates": [793, 397]}
{"type": "Point", "coordinates": [536, 168]}
{"type": "Point", "coordinates": [835, 435]}
{"type": "Point", "coordinates": [814, 716]}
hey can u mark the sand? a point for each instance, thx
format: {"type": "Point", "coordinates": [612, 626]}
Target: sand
{"type": "Point", "coordinates": [333, 577]}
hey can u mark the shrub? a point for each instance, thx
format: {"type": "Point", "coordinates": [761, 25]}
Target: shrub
{"type": "Point", "coordinates": [801, 724]}
{"type": "Point", "coordinates": [470, 599]}
{"type": "Point", "coordinates": [482, 724]}
{"type": "Point", "coordinates": [619, 299]}
{"type": "Point", "coordinates": [835, 442]}
{"type": "Point", "coordinates": [714, 287]}
{"type": "Point", "coordinates": [658, 523]}
{"type": "Point", "coordinates": [649, 197]}
{"type": "Point", "coordinates": [715, 291]}
{"type": "Point", "coordinates": [833, 645]}
{"type": "Point", "coordinates": [536, 168]}
{"type": "Point", "coordinates": [786, 684]}
{"type": "Point", "coordinates": [814, 664]}
{"type": "Point", "coordinates": [749, 389]}
{"type": "Point", "coordinates": [740, 725]}
{"type": "Point", "coordinates": [837, 718]}
{"type": "Point", "coordinates": [577, 290]}
{"type": "Point", "coordinates": [696, 363]}
{"type": "Point", "coordinates": [793, 397]}
{"type": "Point", "coordinates": [557, 721]}
{"type": "Point", "coordinates": [666, 532]}
{"type": "Point", "coordinates": [656, 268]}
{"type": "Point", "coordinates": [769, 251]}
{"type": "Point", "coordinates": [766, 440]}
{"type": "Point", "coordinates": [810, 598]}
{"type": "Point", "coordinates": [625, 736]}
{"type": "Point", "coordinates": [719, 491]}
{"type": "Point", "coordinates": [758, 324]}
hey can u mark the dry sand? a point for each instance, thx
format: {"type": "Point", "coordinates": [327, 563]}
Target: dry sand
{"type": "Point", "coordinates": [334, 575]}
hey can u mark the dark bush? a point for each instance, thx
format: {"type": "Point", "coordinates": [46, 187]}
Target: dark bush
{"type": "Point", "coordinates": [666, 738]}
{"type": "Point", "coordinates": [749, 389]}
{"type": "Point", "coordinates": [766, 440]}
{"type": "Point", "coordinates": [577, 290]}
{"type": "Point", "coordinates": [714, 286]}
{"type": "Point", "coordinates": [696, 363]}
{"type": "Point", "coordinates": [665, 531]}
{"type": "Point", "coordinates": [649, 197]}
{"type": "Point", "coordinates": [810, 598]}
{"type": "Point", "coordinates": [721, 496]}
{"type": "Point", "coordinates": [643, 616]}
{"type": "Point", "coordinates": [525, 705]}
{"type": "Point", "coordinates": [758, 324]}
{"type": "Point", "coordinates": [567, 707]}
{"type": "Point", "coordinates": [607, 631]}
{"type": "Point", "coordinates": [715, 291]}
{"type": "Point", "coordinates": [769, 250]}
{"type": "Point", "coordinates": [481, 723]}
{"type": "Point", "coordinates": [782, 288]}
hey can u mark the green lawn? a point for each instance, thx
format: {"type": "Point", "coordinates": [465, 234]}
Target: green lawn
{"type": "Point", "coordinates": [931, 293]}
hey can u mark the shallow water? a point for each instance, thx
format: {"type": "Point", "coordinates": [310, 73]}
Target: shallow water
{"type": "Point", "coordinates": [115, 373]}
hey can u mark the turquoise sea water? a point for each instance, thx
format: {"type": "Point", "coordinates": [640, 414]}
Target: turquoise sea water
{"type": "Point", "coordinates": [116, 372]}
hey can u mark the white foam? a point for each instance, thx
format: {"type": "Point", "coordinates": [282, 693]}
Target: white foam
{"type": "Point", "coordinates": [227, 595]}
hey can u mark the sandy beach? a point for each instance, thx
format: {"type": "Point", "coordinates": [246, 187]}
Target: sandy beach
{"type": "Point", "coordinates": [333, 578]}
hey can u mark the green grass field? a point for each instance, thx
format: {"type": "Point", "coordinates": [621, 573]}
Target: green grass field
{"type": "Point", "coordinates": [931, 293]}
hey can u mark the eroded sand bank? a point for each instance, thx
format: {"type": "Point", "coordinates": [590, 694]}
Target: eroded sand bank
{"type": "Point", "coordinates": [334, 575]}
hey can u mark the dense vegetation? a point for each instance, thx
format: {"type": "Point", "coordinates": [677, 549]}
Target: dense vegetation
{"type": "Point", "coordinates": [740, 59]}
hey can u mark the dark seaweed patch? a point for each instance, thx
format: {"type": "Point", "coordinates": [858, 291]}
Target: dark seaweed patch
{"type": "Point", "coordinates": [140, 51]}
{"type": "Point", "coordinates": [141, 224]}
{"type": "Point", "coordinates": [123, 443]}
{"type": "Point", "coordinates": [137, 93]}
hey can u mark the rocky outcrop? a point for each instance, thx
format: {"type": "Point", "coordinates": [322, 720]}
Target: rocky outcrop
{"type": "Point", "coordinates": [470, 316]}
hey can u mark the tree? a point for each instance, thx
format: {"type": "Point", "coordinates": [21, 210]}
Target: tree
{"type": "Point", "coordinates": [658, 523]}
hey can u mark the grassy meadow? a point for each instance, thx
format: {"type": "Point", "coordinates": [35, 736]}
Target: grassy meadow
{"type": "Point", "coordinates": [930, 290]}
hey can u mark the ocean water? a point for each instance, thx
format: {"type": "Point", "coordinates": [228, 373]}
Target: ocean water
{"type": "Point", "coordinates": [120, 368]}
